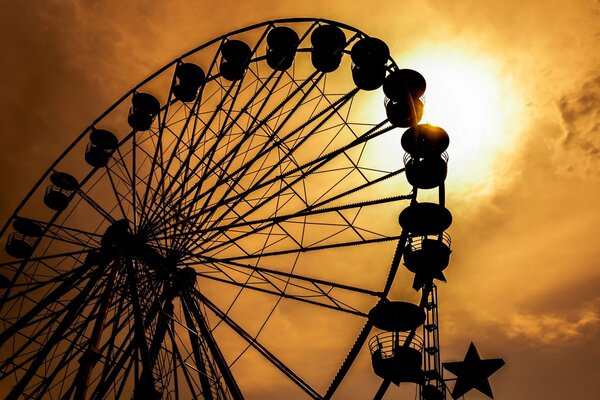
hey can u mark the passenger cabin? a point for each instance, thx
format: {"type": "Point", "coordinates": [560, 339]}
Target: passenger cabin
{"type": "Point", "coordinates": [58, 194]}
{"type": "Point", "coordinates": [235, 59]}
{"type": "Point", "coordinates": [425, 140]}
{"type": "Point", "coordinates": [20, 243]}
{"type": "Point", "coordinates": [427, 252]}
{"type": "Point", "coordinates": [328, 43]}
{"type": "Point", "coordinates": [369, 59]}
{"type": "Point", "coordinates": [422, 219]}
{"type": "Point", "coordinates": [405, 112]}
{"type": "Point", "coordinates": [100, 148]}
{"type": "Point", "coordinates": [403, 89]}
{"type": "Point", "coordinates": [188, 80]}
{"type": "Point", "coordinates": [397, 357]}
{"type": "Point", "coordinates": [404, 83]}
{"type": "Point", "coordinates": [427, 257]}
{"type": "Point", "coordinates": [426, 172]}
{"type": "Point", "coordinates": [144, 108]}
{"type": "Point", "coordinates": [396, 353]}
{"type": "Point", "coordinates": [282, 43]}
{"type": "Point", "coordinates": [426, 160]}
{"type": "Point", "coordinates": [397, 316]}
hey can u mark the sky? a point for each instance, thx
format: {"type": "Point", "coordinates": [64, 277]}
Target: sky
{"type": "Point", "coordinates": [516, 84]}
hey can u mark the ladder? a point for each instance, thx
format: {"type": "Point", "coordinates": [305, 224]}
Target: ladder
{"type": "Point", "coordinates": [431, 340]}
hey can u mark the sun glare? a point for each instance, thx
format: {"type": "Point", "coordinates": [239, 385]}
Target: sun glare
{"type": "Point", "coordinates": [468, 97]}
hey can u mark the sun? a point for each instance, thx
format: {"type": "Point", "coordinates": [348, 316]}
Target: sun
{"type": "Point", "coordinates": [476, 104]}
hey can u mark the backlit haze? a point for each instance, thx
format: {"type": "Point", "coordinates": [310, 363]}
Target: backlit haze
{"type": "Point", "coordinates": [516, 85]}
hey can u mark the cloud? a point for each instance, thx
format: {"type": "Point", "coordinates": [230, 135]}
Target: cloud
{"type": "Point", "coordinates": [551, 329]}
{"type": "Point", "coordinates": [578, 150]}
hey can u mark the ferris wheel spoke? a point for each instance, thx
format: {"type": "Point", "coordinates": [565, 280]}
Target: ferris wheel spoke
{"type": "Point", "coordinates": [110, 346]}
{"type": "Point", "coordinates": [118, 197]}
{"type": "Point", "coordinates": [262, 350]}
{"type": "Point", "coordinates": [26, 353]}
{"type": "Point", "coordinates": [319, 285]}
{"type": "Point", "coordinates": [74, 308]}
{"type": "Point", "coordinates": [192, 112]}
{"type": "Point", "coordinates": [68, 355]}
{"type": "Point", "coordinates": [265, 150]}
{"type": "Point", "coordinates": [258, 226]}
{"type": "Point", "coordinates": [273, 288]}
{"type": "Point", "coordinates": [196, 319]}
{"type": "Point", "coordinates": [52, 297]}
{"type": "Point", "coordinates": [128, 175]}
{"type": "Point", "coordinates": [298, 174]}
{"type": "Point", "coordinates": [94, 205]}
{"type": "Point", "coordinates": [162, 123]}
{"type": "Point", "coordinates": [199, 359]}
{"type": "Point", "coordinates": [292, 286]}
{"type": "Point", "coordinates": [255, 124]}
{"type": "Point", "coordinates": [49, 257]}
{"type": "Point", "coordinates": [314, 209]}
{"type": "Point", "coordinates": [71, 240]}
{"type": "Point", "coordinates": [247, 134]}
{"type": "Point", "coordinates": [241, 231]}
{"type": "Point", "coordinates": [310, 248]}
{"type": "Point", "coordinates": [117, 367]}
{"type": "Point", "coordinates": [139, 332]}
{"type": "Point", "coordinates": [233, 121]}
{"type": "Point", "coordinates": [32, 284]}
{"type": "Point", "coordinates": [194, 145]}
{"type": "Point", "coordinates": [113, 366]}
{"type": "Point", "coordinates": [179, 363]}
{"type": "Point", "coordinates": [279, 192]}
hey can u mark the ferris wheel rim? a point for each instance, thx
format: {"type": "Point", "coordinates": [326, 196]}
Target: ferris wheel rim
{"type": "Point", "coordinates": [141, 84]}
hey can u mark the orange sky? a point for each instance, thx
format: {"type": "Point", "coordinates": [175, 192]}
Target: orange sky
{"type": "Point", "coordinates": [523, 282]}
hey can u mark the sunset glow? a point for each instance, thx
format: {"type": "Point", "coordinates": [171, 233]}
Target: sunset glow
{"type": "Point", "coordinates": [515, 84]}
{"type": "Point", "coordinates": [470, 98]}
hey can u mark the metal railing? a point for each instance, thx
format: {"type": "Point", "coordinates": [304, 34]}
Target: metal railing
{"type": "Point", "coordinates": [387, 343]}
{"type": "Point", "coordinates": [415, 243]}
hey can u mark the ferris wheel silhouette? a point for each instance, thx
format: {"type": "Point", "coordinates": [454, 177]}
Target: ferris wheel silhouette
{"type": "Point", "coordinates": [243, 175]}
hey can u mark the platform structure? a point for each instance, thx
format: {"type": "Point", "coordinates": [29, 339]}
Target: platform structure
{"type": "Point", "coordinates": [399, 354]}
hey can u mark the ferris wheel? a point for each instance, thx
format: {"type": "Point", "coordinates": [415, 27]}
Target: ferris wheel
{"type": "Point", "coordinates": [245, 186]}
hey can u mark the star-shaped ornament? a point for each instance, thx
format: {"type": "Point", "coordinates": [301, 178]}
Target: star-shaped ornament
{"type": "Point", "coordinates": [473, 373]}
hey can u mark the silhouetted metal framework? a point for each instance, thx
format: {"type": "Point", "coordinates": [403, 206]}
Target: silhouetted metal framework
{"type": "Point", "coordinates": [432, 365]}
{"type": "Point", "coordinates": [251, 157]}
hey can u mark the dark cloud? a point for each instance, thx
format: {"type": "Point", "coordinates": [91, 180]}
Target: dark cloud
{"type": "Point", "coordinates": [579, 147]}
